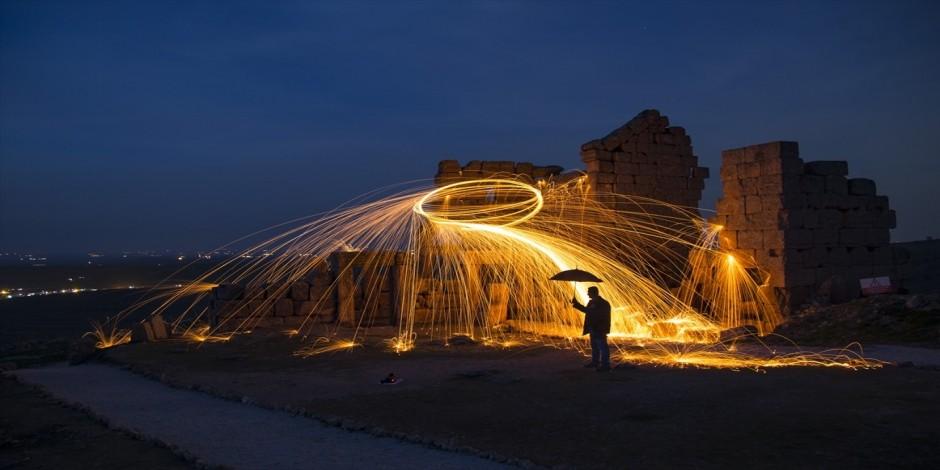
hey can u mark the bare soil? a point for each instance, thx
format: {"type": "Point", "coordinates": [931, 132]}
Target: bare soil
{"type": "Point", "coordinates": [539, 404]}
{"type": "Point", "coordinates": [38, 433]}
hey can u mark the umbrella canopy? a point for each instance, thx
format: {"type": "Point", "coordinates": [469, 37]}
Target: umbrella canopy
{"type": "Point", "coordinates": [575, 275]}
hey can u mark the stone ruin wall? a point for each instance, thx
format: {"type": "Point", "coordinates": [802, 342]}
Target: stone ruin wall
{"type": "Point", "coordinates": [451, 171]}
{"type": "Point", "coordinates": [646, 157]}
{"type": "Point", "coordinates": [814, 230]}
{"type": "Point", "coordinates": [365, 289]}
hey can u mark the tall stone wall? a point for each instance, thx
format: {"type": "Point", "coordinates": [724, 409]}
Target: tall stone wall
{"type": "Point", "coordinates": [815, 231]}
{"type": "Point", "coordinates": [646, 157]}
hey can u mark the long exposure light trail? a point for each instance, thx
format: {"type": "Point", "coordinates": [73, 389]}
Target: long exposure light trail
{"type": "Point", "coordinates": [475, 257]}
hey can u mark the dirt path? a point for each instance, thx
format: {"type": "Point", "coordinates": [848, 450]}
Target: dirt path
{"type": "Point", "coordinates": [38, 432]}
{"type": "Point", "coordinates": [225, 433]}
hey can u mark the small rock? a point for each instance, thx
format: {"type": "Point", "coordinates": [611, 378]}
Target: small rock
{"type": "Point", "coordinates": [460, 340]}
{"type": "Point", "coordinates": [915, 302]}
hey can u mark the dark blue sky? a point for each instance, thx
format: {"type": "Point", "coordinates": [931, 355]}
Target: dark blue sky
{"type": "Point", "coordinates": [139, 125]}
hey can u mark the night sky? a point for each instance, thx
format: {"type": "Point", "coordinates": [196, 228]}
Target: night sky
{"type": "Point", "coordinates": [137, 125]}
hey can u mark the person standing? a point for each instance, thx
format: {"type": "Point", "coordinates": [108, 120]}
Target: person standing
{"type": "Point", "coordinates": [596, 324]}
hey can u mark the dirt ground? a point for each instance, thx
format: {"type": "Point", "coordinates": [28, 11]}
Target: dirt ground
{"type": "Point", "coordinates": [38, 433]}
{"type": "Point", "coordinates": [539, 404]}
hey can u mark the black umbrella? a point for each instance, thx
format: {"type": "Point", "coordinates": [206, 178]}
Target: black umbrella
{"type": "Point", "coordinates": [575, 275]}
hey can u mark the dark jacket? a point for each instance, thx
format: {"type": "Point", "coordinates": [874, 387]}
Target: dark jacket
{"type": "Point", "coordinates": [596, 316]}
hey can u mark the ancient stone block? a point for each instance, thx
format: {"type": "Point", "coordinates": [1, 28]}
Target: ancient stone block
{"type": "Point", "coordinates": [781, 166]}
{"type": "Point", "coordinates": [472, 174]}
{"type": "Point", "coordinates": [228, 292]}
{"type": "Point", "coordinates": [284, 308]}
{"type": "Point", "coordinates": [878, 236]}
{"type": "Point", "coordinates": [524, 168]}
{"type": "Point", "coordinates": [750, 239]}
{"type": "Point", "coordinates": [596, 154]}
{"type": "Point", "coordinates": [625, 188]}
{"type": "Point", "coordinates": [853, 237]}
{"type": "Point", "coordinates": [801, 277]}
{"type": "Point", "coordinates": [750, 186]}
{"type": "Point", "coordinates": [749, 170]}
{"type": "Point", "coordinates": [835, 184]}
{"type": "Point", "coordinates": [255, 292]}
{"type": "Point", "coordinates": [753, 205]}
{"type": "Point", "coordinates": [825, 236]}
{"type": "Point", "coordinates": [626, 168]}
{"type": "Point", "coordinates": [448, 166]}
{"type": "Point", "coordinates": [728, 171]}
{"type": "Point", "coordinates": [605, 166]}
{"type": "Point", "coordinates": [880, 255]}
{"type": "Point", "coordinates": [799, 238]}
{"type": "Point", "coordinates": [876, 203]}
{"type": "Point", "coordinates": [490, 166]}
{"type": "Point", "coordinates": [625, 179]}
{"type": "Point", "coordinates": [827, 168]}
{"type": "Point", "coordinates": [812, 184]}
{"type": "Point", "coordinates": [774, 238]}
{"type": "Point", "coordinates": [672, 170]}
{"type": "Point", "coordinates": [861, 186]}
{"type": "Point", "coordinates": [730, 206]}
{"type": "Point", "coordinates": [300, 290]}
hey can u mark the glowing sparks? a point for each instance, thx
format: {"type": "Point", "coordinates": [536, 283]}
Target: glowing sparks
{"type": "Point", "coordinates": [108, 336]}
{"type": "Point", "coordinates": [401, 343]}
{"type": "Point", "coordinates": [323, 345]}
{"type": "Point", "coordinates": [476, 256]}
{"type": "Point", "coordinates": [203, 334]}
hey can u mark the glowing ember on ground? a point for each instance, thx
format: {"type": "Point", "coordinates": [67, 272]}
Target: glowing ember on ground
{"type": "Point", "coordinates": [108, 335]}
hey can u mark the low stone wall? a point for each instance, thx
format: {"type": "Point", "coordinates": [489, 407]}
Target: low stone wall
{"type": "Point", "coordinates": [451, 171]}
{"type": "Point", "coordinates": [360, 289]}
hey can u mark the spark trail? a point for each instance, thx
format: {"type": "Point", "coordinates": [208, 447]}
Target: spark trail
{"type": "Point", "coordinates": [474, 258]}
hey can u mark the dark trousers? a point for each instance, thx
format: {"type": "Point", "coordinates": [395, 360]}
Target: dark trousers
{"type": "Point", "coordinates": [600, 352]}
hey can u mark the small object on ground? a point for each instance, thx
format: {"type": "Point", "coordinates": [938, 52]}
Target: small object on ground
{"type": "Point", "coordinates": [603, 369]}
{"type": "Point", "coordinates": [391, 379]}
{"type": "Point", "coordinates": [590, 365]}
{"type": "Point", "coordinates": [460, 340]}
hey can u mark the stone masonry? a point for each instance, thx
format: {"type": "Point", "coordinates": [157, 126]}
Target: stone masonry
{"type": "Point", "coordinates": [646, 157]}
{"type": "Point", "coordinates": [814, 231]}
{"type": "Point", "coordinates": [450, 171]}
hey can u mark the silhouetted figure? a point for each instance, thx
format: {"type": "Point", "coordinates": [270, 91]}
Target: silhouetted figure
{"type": "Point", "coordinates": [597, 324]}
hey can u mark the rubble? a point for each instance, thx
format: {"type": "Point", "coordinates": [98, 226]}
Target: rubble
{"type": "Point", "coordinates": [896, 319]}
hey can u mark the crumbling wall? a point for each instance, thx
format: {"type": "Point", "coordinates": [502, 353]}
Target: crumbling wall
{"type": "Point", "coordinates": [277, 305]}
{"type": "Point", "coordinates": [815, 231]}
{"type": "Point", "coordinates": [355, 288]}
{"type": "Point", "coordinates": [646, 157]}
{"type": "Point", "coordinates": [451, 171]}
